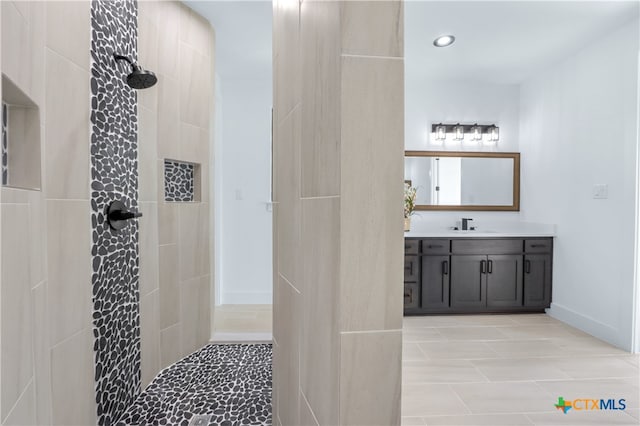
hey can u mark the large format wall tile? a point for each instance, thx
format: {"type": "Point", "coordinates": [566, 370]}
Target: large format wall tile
{"type": "Point", "coordinates": [370, 376]}
{"type": "Point", "coordinates": [24, 412]}
{"type": "Point", "coordinates": [149, 336]}
{"type": "Point", "coordinates": [72, 384]}
{"type": "Point", "coordinates": [69, 259]}
{"type": "Point", "coordinates": [193, 241]}
{"type": "Point", "coordinates": [194, 313]}
{"type": "Point", "coordinates": [42, 354]}
{"type": "Point", "coordinates": [66, 129]}
{"type": "Point", "coordinates": [70, 40]}
{"type": "Point", "coordinates": [169, 286]}
{"type": "Point", "coordinates": [371, 195]}
{"type": "Point", "coordinates": [170, 345]}
{"type": "Point", "coordinates": [320, 150]}
{"type": "Point", "coordinates": [149, 249]}
{"type": "Point", "coordinates": [168, 39]}
{"type": "Point", "coordinates": [286, 54]}
{"type": "Point", "coordinates": [358, 17]}
{"type": "Point", "coordinates": [168, 116]}
{"type": "Point", "coordinates": [195, 31]}
{"type": "Point", "coordinates": [16, 309]}
{"type": "Point", "coordinates": [195, 80]}
{"type": "Point", "coordinates": [147, 154]}
{"type": "Point", "coordinates": [320, 342]}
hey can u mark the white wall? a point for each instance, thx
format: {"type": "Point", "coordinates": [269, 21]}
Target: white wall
{"type": "Point", "coordinates": [579, 128]}
{"type": "Point", "coordinates": [245, 252]}
{"type": "Point", "coordinates": [428, 102]}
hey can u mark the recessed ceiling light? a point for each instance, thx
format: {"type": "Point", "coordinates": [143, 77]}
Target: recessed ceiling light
{"type": "Point", "coordinates": [444, 41]}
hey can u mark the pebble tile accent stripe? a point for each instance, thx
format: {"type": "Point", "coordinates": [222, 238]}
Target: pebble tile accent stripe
{"type": "Point", "coordinates": [114, 176]}
{"type": "Point", "coordinates": [231, 383]}
{"type": "Point", "coordinates": [178, 181]}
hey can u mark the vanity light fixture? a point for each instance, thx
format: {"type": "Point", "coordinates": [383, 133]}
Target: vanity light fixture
{"type": "Point", "coordinates": [476, 132]}
{"type": "Point", "coordinates": [490, 132]}
{"type": "Point", "coordinates": [440, 131]}
{"type": "Point", "coordinates": [494, 133]}
{"type": "Point", "coordinates": [444, 41]}
{"type": "Point", "coordinates": [458, 132]}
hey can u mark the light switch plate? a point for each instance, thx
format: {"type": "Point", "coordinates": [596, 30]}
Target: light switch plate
{"type": "Point", "coordinates": [601, 191]}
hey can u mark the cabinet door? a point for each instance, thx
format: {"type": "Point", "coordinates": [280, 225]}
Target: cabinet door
{"type": "Point", "coordinates": [435, 282]}
{"type": "Point", "coordinates": [504, 281]}
{"type": "Point", "coordinates": [411, 296]}
{"type": "Point", "coordinates": [537, 280]}
{"type": "Point", "coordinates": [411, 268]}
{"type": "Point", "coordinates": [468, 282]}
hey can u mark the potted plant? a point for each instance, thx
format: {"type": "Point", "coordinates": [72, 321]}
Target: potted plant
{"type": "Point", "coordinates": [409, 204]}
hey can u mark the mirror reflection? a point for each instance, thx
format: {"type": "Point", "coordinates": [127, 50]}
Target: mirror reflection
{"type": "Point", "coordinates": [464, 180]}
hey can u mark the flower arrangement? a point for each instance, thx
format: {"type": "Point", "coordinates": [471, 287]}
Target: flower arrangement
{"type": "Point", "coordinates": [409, 199]}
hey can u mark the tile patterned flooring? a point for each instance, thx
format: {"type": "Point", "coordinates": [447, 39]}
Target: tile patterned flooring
{"type": "Point", "coordinates": [510, 370]}
{"type": "Point", "coordinates": [226, 385]}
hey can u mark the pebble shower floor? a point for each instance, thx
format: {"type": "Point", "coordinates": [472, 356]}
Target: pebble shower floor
{"type": "Point", "coordinates": [225, 384]}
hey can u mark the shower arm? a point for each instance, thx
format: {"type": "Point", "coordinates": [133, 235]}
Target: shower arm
{"type": "Point", "coordinates": [123, 58]}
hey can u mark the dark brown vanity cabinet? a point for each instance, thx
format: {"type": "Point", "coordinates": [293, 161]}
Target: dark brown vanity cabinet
{"type": "Point", "coordinates": [477, 275]}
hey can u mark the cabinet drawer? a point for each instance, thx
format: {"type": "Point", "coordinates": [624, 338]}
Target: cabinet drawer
{"type": "Point", "coordinates": [411, 246]}
{"type": "Point", "coordinates": [435, 246]}
{"type": "Point", "coordinates": [411, 268]}
{"type": "Point", "coordinates": [541, 245]}
{"type": "Point", "coordinates": [411, 296]}
{"type": "Point", "coordinates": [486, 246]}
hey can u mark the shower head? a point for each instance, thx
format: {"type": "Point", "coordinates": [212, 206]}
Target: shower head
{"type": "Point", "coordinates": [139, 77]}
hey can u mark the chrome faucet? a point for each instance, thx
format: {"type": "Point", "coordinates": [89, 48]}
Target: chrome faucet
{"type": "Point", "coordinates": [465, 223]}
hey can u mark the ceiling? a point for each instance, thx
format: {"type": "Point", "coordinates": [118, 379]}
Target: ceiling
{"type": "Point", "coordinates": [496, 41]}
{"type": "Point", "coordinates": [503, 41]}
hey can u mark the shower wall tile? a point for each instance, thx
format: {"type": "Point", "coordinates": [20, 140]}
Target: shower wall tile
{"type": "Point", "coordinates": [170, 351]}
{"type": "Point", "coordinates": [287, 318]}
{"type": "Point", "coordinates": [289, 215]}
{"type": "Point", "coordinates": [194, 87]}
{"type": "Point", "coordinates": [42, 354]}
{"type": "Point", "coordinates": [16, 321]}
{"type": "Point", "coordinates": [320, 345]}
{"type": "Point", "coordinates": [167, 218]}
{"type": "Point", "coordinates": [16, 55]}
{"type": "Point", "coordinates": [320, 151]}
{"type": "Point", "coordinates": [196, 32]}
{"type": "Point", "coordinates": [194, 313]}
{"type": "Point", "coordinates": [70, 40]}
{"type": "Point", "coordinates": [69, 252]}
{"type": "Point", "coordinates": [194, 143]}
{"type": "Point", "coordinates": [386, 17]}
{"type": "Point", "coordinates": [149, 336]}
{"type": "Point", "coordinates": [168, 116]}
{"type": "Point", "coordinates": [169, 286]}
{"type": "Point", "coordinates": [37, 233]}
{"type": "Point", "coordinates": [306, 414]}
{"type": "Point", "coordinates": [168, 39]}
{"type": "Point", "coordinates": [179, 181]}
{"type": "Point", "coordinates": [148, 246]}
{"type": "Point", "coordinates": [147, 44]}
{"type": "Point", "coordinates": [66, 129]}
{"type": "Point", "coordinates": [369, 398]}
{"type": "Point", "coordinates": [24, 412]}
{"type": "Point", "coordinates": [369, 187]}
{"type": "Point", "coordinates": [193, 240]}
{"type": "Point", "coordinates": [286, 54]}
{"type": "Point", "coordinates": [147, 154]}
{"type": "Point", "coordinates": [72, 384]}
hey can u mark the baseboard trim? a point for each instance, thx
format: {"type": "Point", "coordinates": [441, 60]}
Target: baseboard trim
{"type": "Point", "coordinates": [587, 324]}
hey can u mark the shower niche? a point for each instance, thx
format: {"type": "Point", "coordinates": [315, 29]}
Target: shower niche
{"type": "Point", "coordinates": [21, 138]}
{"type": "Point", "coordinates": [182, 181]}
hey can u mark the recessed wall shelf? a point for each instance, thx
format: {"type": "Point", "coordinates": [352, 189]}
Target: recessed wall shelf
{"type": "Point", "coordinates": [21, 138]}
{"type": "Point", "coordinates": [181, 181]}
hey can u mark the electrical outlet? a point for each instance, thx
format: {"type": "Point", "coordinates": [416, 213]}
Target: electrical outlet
{"type": "Point", "coordinates": [601, 191]}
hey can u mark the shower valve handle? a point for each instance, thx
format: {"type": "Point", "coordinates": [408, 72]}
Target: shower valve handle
{"type": "Point", "coordinates": [117, 215]}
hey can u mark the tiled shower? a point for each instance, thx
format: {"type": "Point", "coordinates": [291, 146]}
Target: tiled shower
{"type": "Point", "coordinates": [90, 315]}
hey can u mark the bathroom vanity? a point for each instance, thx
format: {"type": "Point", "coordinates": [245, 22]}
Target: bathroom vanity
{"type": "Point", "coordinates": [477, 274]}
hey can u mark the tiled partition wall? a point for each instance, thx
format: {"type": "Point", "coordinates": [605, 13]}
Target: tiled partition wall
{"type": "Point", "coordinates": [47, 343]}
{"type": "Point", "coordinates": [174, 123]}
{"type": "Point", "coordinates": [338, 233]}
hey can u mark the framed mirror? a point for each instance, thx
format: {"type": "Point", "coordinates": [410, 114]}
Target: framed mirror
{"type": "Point", "coordinates": [450, 180]}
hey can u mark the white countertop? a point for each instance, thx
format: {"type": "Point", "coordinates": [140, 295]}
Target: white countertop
{"type": "Point", "coordinates": [495, 230]}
